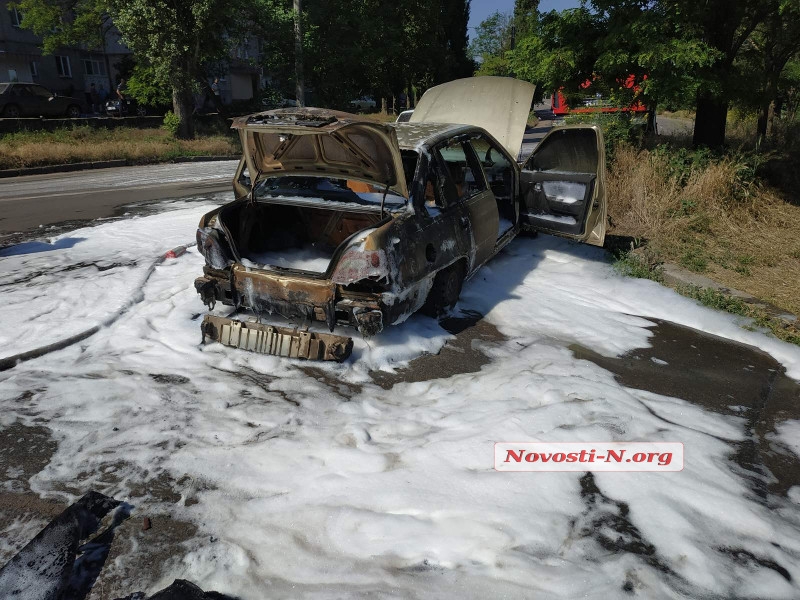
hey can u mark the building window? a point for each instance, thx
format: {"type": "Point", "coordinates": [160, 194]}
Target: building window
{"type": "Point", "coordinates": [63, 67]}
{"type": "Point", "coordinates": [12, 75]}
{"type": "Point", "coordinates": [94, 67]}
{"type": "Point", "coordinates": [34, 69]}
{"type": "Point", "coordinates": [16, 17]}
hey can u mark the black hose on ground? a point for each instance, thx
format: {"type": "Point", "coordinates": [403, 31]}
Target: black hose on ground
{"type": "Point", "coordinates": [10, 362]}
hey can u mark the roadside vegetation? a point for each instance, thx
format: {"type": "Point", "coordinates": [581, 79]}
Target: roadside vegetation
{"type": "Point", "coordinates": [711, 214]}
{"type": "Point", "coordinates": [730, 215]}
{"type": "Point", "coordinates": [787, 331]}
{"type": "Point", "coordinates": [87, 144]}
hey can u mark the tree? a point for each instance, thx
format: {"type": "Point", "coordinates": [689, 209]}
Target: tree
{"type": "Point", "coordinates": [174, 38]}
{"type": "Point", "coordinates": [559, 50]}
{"type": "Point", "coordinates": [489, 46]}
{"type": "Point", "coordinates": [177, 37]}
{"type": "Point", "coordinates": [764, 58]}
{"type": "Point", "coordinates": [687, 50]}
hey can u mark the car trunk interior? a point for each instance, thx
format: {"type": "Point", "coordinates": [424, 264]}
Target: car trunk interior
{"type": "Point", "coordinates": [271, 234]}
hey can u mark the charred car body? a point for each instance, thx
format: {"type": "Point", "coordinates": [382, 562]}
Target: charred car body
{"type": "Point", "coordinates": [348, 221]}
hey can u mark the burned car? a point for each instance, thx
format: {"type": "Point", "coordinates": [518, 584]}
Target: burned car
{"type": "Point", "coordinates": [353, 222]}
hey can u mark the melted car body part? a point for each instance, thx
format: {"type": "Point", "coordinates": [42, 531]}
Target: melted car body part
{"type": "Point", "coordinates": [276, 341]}
{"type": "Point", "coordinates": [46, 567]}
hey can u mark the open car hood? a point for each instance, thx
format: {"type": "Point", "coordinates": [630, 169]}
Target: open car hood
{"type": "Point", "coordinates": [500, 105]}
{"type": "Point", "coordinates": [323, 143]}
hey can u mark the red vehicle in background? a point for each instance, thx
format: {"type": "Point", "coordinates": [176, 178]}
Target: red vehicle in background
{"type": "Point", "coordinates": [596, 103]}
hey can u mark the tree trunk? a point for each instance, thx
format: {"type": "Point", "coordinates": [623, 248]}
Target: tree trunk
{"type": "Point", "coordinates": [183, 106]}
{"type": "Point", "coordinates": [710, 121]}
{"type": "Point", "coordinates": [298, 54]}
{"type": "Point", "coordinates": [761, 126]}
{"type": "Point", "coordinates": [652, 123]}
{"type": "Point", "coordinates": [763, 113]}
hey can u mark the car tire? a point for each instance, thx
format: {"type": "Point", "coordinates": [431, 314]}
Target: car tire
{"type": "Point", "coordinates": [12, 111]}
{"type": "Point", "coordinates": [73, 111]}
{"type": "Point", "coordinates": [141, 111]}
{"type": "Point", "coordinates": [445, 290]}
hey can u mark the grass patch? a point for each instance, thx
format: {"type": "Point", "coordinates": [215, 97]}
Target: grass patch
{"type": "Point", "coordinates": [694, 259]}
{"type": "Point", "coordinates": [86, 144]}
{"type": "Point", "coordinates": [780, 328]}
{"type": "Point", "coordinates": [710, 213]}
{"type": "Point", "coordinates": [379, 117]}
{"type": "Point", "coordinates": [644, 264]}
{"type": "Point", "coordinates": [677, 114]}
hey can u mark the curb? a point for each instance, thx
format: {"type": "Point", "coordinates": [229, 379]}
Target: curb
{"type": "Point", "coordinates": [105, 164]}
{"type": "Point", "coordinates": [675, 275]}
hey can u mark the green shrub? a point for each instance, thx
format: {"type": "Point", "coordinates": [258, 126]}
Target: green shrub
{"type": "Point", "coordinates": [643, 263]}
{"type": "Point", "coordinates": [171, 122]}
{"type": "Point", "coordinates": [694, 259]}
{"type": "Point", "coordinates": [618, 128]}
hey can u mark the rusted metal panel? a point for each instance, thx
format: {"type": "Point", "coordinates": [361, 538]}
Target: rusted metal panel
{"type": "Point", "coordinates": [276, 341]}
{"type": "Point", "coordinates": [281, 287]}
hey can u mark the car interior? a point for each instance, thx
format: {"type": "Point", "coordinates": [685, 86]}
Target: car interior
{"type": "Point", "coordinates": [500, 177]}
{"type": "Point", "coordinates": [558, 181]}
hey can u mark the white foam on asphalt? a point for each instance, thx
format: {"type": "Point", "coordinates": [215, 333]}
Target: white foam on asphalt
{"type": "Point", "coordinates": [320, 484]}
{"type": "Point", "coordinates": [59, 287]}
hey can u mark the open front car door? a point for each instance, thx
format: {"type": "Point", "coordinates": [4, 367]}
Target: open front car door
{"type": "Point", "coordinates": [562, 185]}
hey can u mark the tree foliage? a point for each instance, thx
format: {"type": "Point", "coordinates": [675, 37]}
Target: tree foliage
{"type": "Point", "coordinates": [66, 22]}
{"type": "Point", "coordinates": [355, 47]}
{"type": "Point", "coordinates": [491, 44]}
{"type": "Point", "coordinates": [350, 47]}
{"type": "Point", "coordinates": [177, 38]}
{"type": "Point", "coordinates": [174, 39]}
{"type": "Point", "coordinates": [683, 53]}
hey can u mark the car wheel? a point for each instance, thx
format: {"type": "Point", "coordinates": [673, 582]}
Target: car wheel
{"type": "Point", "coordinates": [11, 111]}
{"type": "Point", "coordinates": [445, 290]}
{"type": "Point", "coordinates": [73, 111]}
{"type": "Point", "coordinates": [141, 111]}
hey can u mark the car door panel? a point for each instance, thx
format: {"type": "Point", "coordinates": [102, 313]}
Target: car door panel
{"type": "Point", "coordinates": [469, 189]}
{"type": "Point", "coordinates": [563, 185]}
{"type": "Point", "coordinates": [441, 234]}
{"type": "Point", "coordinates": [29, 103]}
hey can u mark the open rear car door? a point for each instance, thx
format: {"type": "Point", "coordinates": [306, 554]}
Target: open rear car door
{"type": "Point", "coordinates": [562, 185]}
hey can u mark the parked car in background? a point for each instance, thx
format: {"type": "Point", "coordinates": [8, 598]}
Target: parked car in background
{"type": "Point", "coordinates": [33, 100]}
{"type": "Point", "coordinates": [405, 116]}
{"type": "Point", "coordinates": [343, 220]}
{"type": "Point", "coordinates": [364, 104]}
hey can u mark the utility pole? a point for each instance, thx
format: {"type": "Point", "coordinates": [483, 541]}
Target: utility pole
{"type": "Point", "coordinates": [298, 54]}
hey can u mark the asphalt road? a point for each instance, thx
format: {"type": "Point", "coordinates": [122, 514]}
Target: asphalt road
{"type": "Point", "coordinates": [34, 201]}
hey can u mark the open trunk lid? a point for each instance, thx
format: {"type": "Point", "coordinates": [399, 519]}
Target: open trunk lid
{"type": "Point", "coordinates": [500, 105]}
{"type": "Point", "coordinates": [322, 143]}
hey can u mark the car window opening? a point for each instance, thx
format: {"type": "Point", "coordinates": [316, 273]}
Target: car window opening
{"type": "Point", "coordinates": [499, 174]}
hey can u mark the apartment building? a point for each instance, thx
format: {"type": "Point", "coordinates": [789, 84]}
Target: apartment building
{"type": "Point", "coordinates": [69, 71]}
